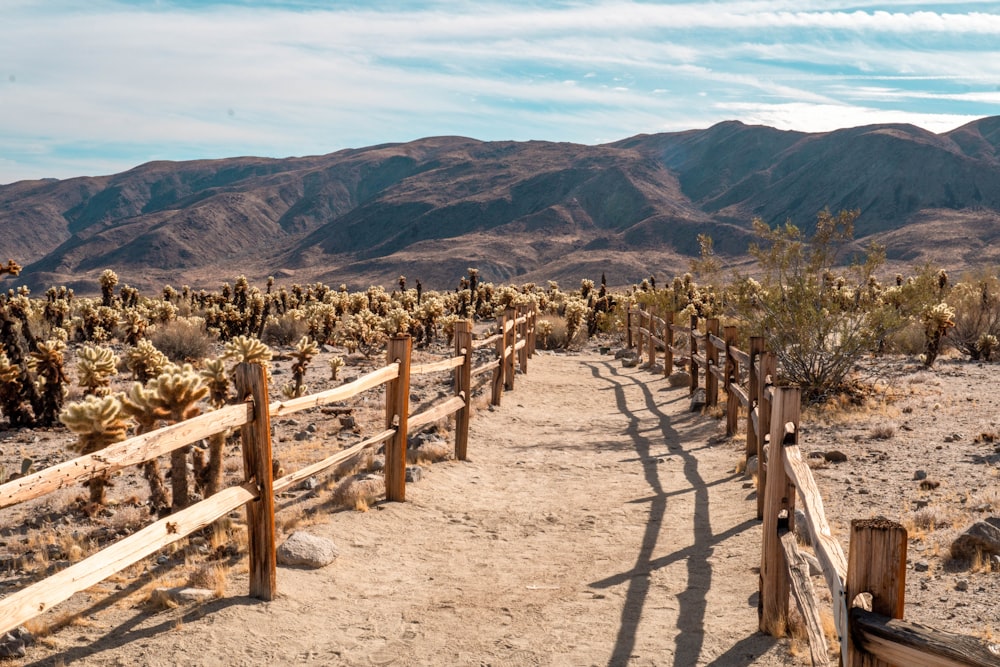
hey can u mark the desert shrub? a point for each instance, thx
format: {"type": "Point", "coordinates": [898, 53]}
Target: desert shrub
{"type": "Point", "coordinates": [183, 339]}
{"type": "Point", "coordinates": [976, 301]}
{"type": "Point", "coordinates": [285, 329]}
{"type": "Point", "coordinates": [818, 323]}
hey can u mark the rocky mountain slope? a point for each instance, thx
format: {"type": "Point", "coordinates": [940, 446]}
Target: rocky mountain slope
{"type": "Point", "coordinates": [519, 211]}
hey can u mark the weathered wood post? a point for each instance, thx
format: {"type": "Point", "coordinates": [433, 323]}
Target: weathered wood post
{"type": "Point", "coordinates": [640, 318]}
{"type": "Point", "coordinates": [397, 409]}
{"type": "Point", "coordinates": [522, 354]}
{"type": "Point", "coordinates": [498, 372]}
{"type": "Point", "coordinates": [668, 344]}
{"type": "Point", "coordinates": [463, 387]}
{"type": "Point", "coordinates": [768, 367]}
{"type": "Point", "coordinates": [251, 381]}
{"type": "Point", "coordinates": [628, 327]}
{"type": "Point", "coordinates": [753, 392]}
{"type": "Point", "coordinates": [779, 515]}
{"type": "Point", "coordinates": [651, 321]}
{"type": "Point", "coordinates": [510, 342]}
{"type": "Point", "coordinates": [711, 362]}
{"type": "Point", "coordinates": [876, 564]}
{"type": "Point", "coordinates": [532, 323]}
{"type": "Point", "coordinates": [693, 363]}
{"type": "Point", "coordinates": [732, 374]}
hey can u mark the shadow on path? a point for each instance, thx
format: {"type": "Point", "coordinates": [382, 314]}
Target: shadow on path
{"type": "Point", "coordinates": [692, 601]}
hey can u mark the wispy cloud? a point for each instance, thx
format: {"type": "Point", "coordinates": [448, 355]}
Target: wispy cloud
{"type": "Point", "coordinates": [97, 87]}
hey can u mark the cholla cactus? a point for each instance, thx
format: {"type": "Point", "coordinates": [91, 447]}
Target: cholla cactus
{"type": "Point", "coordinates": [398, 321]}
{"type": "Point", "coordinates": [545, 331]}
{"type": "Point", "coordinates": [986, 344]}
{"type": "Point", "coordinates": [12, 400]}
{"type": "Point", "coordinates": [97, 423]}
{"type": "Point", "coordinates": [574, 313]}
{"type": "Point", "coordinates": [178, 389]}
{"type": "Point", "coordinates": [108, 281]}
{"type": "Point", "coordinates": [47, 361]}
{"type": "Point", "coordinates": [133, 324]}
{"type": "Point", "coordinates": [937, 320]}
{"type": "Point", "coordinates": [305, 350]}
{"type": "Point", "coordinates": [145, 361]}
{"type": "Point", "coordinates": [243, 349]}
{"type": "Point", "coordinates": [336, 363]}
{"type": "Point", "coordinates": [144, 406]}
{"type": "Point", "coordinates": [95, 368]}
{"type": "Point", "coordinates": [213, 373]}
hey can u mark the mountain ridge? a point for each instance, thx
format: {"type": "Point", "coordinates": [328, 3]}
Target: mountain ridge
{"type": "Point", "coordinates": [518, 210]}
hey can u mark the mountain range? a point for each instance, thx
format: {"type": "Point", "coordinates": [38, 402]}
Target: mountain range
{"type": "Point", "coordinates": [517, 211]}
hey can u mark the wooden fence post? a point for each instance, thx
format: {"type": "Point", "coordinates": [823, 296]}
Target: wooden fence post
{"type": "Point", "coordinates": [668, 343]}
{"type": "Point", "coordinates": [628, 327]}
{"type": "Point", "coordinates": [397, 410]}
{"type": "Point", "coordinates": [251, 381]}
{"type": "Point", "coordinates": [768, 367]}
{"type": "Point", "coordinates": [510, 341]}
{"type": "Point", "coordinates": [753, 389]}
{"type": "Point", "coordinates": [692, 364]}
{"type": "Point", "coordinates": [876, 564]}
{"type": "Point", "coordinates": [779, 515]}
{"type": "Point", "coordinates": [498, 372]}
{"type": "Point", "coordinates": [732, 375]}
{"type": "Point", "coordinates": [652, 334]}
{"type": "Point", "coordinates": [532, 322]}
{"type": "Point", "coordinates": [463, 387]}
{"type": "Point", "coordinates": [641, 317]}
{"type": "Point", "coordinates": [711, 362]}
{"type": "Point", "coordinates": [522, 354]}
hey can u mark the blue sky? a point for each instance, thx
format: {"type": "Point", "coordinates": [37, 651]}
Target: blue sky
{"type": "Point", "coordinates": [96, 87]}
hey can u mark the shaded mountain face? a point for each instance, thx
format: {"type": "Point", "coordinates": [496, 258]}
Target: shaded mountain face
{"type": "Point", "coordinates": [518, 211]}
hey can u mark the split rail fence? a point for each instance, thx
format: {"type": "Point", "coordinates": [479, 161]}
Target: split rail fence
{"type": "Point", "coordinates": [514, 345]}
{"type": "Point", "coordinates": [871, 632]}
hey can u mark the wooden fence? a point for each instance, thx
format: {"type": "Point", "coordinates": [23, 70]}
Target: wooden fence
{"type": "Point", "coordinates": [870, 632]}
{"type": "Point", "coordinates": [252, 414]}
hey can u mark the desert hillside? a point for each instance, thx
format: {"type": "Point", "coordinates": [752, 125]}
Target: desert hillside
{"type": "Point", "coordinates": [518, 210]}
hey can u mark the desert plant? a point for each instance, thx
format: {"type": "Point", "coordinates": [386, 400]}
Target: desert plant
{"type": "Point", "coordinates": [47, 362]}
{"type": "Point", "coordinates": [178, 389]}
{"type": "Point", "coordinates": [214, 375]}
{"type": "Point", "coordinates": [143, 405]}
{"type": "Point", "coordinates": [145, 361]}
{"type": "Point", "coordinates": [818, 323]}
{"type": "Point", "coordinates": [937, 319]}
{"type": "Point", "coordinates": [976, 302]}
{"type": "Point", "coordinates": [575, 311]}
{"type": "Point", "coordinates": [108, 281]}
{"type": "Point", "coordinates": [182, 339]}
{"type": "Point", "coordinates": [305, 350]}
{"type": "Point", "coordinates": [336, 363]}
{"type": "Point", "coordinates": [97, 423]}
{"type": "Point", "coordinates": [95, 366]}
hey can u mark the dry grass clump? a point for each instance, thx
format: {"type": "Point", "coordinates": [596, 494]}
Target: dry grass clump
{"type": "Point", "coordinates": [210, 576]}
{"type": "Point", "coordinates": [285, 330]}
{"type": "Point", "coordinates": [183, 339]}
{"type": "Point", "coordinates": [883, 431]}
{"type": "Point", "coordinates": [358, 491]}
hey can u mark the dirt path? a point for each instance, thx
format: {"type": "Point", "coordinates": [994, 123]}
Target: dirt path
{"type": "Point", "coordinates": [596, 524]}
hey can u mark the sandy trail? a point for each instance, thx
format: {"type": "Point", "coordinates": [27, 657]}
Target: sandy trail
{"type": "Point", "coordinates": [598, 522]}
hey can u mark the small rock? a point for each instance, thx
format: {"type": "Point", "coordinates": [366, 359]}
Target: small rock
{"type": "Point", "coordinates": [376, 465]}
{"type": "Point", "coordinates": [308, 484]}
{"type": "Point", "coordinates": [413, 473]}
{"type": "Point", "coordinates": [921, 566]}
{"type": "Point", "coordinates": [312, 428]}
{"type": "Point", "coordinates": [624, 352]}
{"type": "Point", "coordinates": [698, 400]}
{"type": "Point", "coordinates": [982, 537]}
{"type": "Point", "coordinates": [962, 585]}
{"type": "Point", "coordinates": [752, 466]}
{"type": "Point", "coordinates": [630, 362]}
{"type": "Point", "coordinates": [802, 528]}
{"type": "Point", "coordinates": [301, 435]}
{"type": "Point", "coordinates": [920, 474]}
{"type": "Point", "coordinates": [346, 421]}
{"type": "Point", "coordinates": [835, 456]}
{"type": "Point", "coordinates": [303, 549]}
{"type": "Point", "coordinates": [13, 643]}
{"type": "Point", "coordinates": [929, 484]}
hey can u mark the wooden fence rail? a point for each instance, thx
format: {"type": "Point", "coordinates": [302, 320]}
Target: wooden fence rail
{"type": "Point", "coordinates": [252, 414]}
{"type": "Point", "coordinates": [876, 560]}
